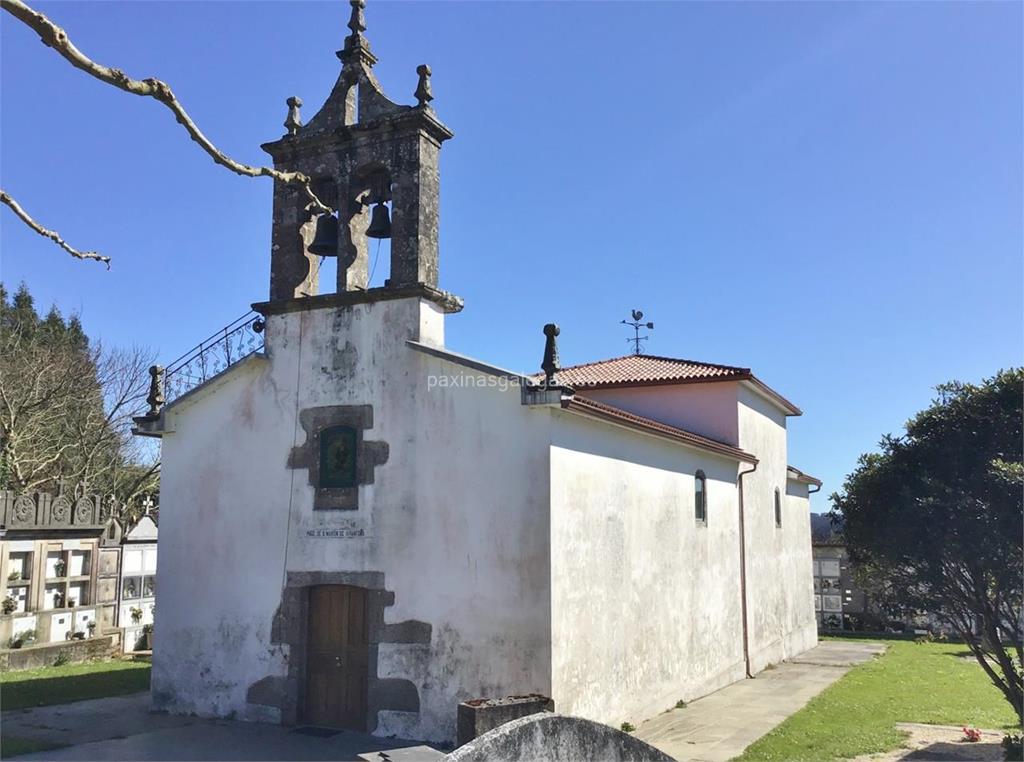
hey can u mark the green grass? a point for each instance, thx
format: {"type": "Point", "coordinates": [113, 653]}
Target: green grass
{"type": "Point", "coordinates": [12, 747]}
{"type": "Point", "coordinates": [925, 683]}
{"type": "Point", "coordinates": [72, 682]}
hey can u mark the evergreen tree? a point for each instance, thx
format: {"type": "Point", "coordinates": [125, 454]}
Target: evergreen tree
{"type": "Point", "coordinates": [66, 405]}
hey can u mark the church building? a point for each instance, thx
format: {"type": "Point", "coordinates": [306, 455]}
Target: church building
{"type": "Point", "coordinates": [361, 528]}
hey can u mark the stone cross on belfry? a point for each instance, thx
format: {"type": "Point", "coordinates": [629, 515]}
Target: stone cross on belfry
{"type": "Point", "coordinates": [147, 504]}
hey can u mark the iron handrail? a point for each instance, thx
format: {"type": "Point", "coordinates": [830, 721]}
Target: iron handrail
{"type": "Point", "coordinates": [215, 354]}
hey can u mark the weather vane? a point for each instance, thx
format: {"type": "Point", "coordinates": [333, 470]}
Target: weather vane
{"type": "Point", "coordinates": [637, 324]}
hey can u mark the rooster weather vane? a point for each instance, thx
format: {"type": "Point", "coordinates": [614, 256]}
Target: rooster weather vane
{"type": "Point", "coordinates": [637, 323]}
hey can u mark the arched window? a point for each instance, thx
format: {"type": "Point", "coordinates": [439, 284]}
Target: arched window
{"type": "Point", "coordinates": [700, 498]}
{"type": "Point", "coordinates": [778, 508]}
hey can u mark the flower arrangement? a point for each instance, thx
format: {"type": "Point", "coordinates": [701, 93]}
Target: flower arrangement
{"type": "Point", "coordinates": [9, 605]}
{"type": "Point", "coordinates": [971, 735]}
{"type": "Point", "coordinates": [136, 614]}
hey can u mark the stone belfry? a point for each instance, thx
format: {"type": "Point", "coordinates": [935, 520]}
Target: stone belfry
{"type": "Point", "coordinates": [365, 155]}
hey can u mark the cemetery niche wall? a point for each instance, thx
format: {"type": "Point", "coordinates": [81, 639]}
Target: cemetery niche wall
{"type": "Point", "coordinates": [61, 571]}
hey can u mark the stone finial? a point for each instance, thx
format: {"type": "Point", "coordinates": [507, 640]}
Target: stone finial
{"type": "Point", "coordinates": [357, 47]}
{"type": "Point", "coordinates": [357, 21]}
{"type": "Point", "coordinates": [156, 391]}
{"type": "Point", "coordinates": [550, 365]}
{"type": "Point", "coordinates": [423, 92]}
{"type": "Point", "coordinates": [294, 120]}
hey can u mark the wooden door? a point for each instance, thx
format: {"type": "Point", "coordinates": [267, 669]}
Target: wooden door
{"type": "Point", "coordinates": [337, 657]}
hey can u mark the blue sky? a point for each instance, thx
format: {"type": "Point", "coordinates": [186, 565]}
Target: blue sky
{"type": "Point", "coordinates": [829, 193]}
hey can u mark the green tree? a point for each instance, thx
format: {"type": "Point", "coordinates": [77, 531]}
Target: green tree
{"type": "Point", "coordinates": [66, 405]}
{"type": "Point", "coordinates": [934, 520]}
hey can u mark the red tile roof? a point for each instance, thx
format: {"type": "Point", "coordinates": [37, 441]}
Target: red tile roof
{"type": "Point", "coordinates": [651, 370]}
{"type": "Point", "coordinates": [635, 370]}
{"type": "Point", "coordinates": [601, 411]}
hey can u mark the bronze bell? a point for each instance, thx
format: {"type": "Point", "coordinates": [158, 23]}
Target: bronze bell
{"type": "Point", "coordinates": [325, 242]}
{"type": "Point", "coordinates": [380, 222]}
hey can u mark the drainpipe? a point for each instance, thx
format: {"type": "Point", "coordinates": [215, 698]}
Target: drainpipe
{"type": "Point", "coordinates": [812, 491]}
{"type": "Point", "coordinates": [743, 568]}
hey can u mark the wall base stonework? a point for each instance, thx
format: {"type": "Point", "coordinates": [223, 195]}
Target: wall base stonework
{"type": "Point", "coordinates": [33, 657]}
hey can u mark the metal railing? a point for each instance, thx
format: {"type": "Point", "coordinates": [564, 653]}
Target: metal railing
{"type": "Point", "coordinates": [233, 342]}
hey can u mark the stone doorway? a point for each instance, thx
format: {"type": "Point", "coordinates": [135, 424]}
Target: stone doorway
{"type": "Point", "coordinates": [291, 628]}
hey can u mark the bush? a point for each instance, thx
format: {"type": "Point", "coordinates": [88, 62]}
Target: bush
{"type": "Point", "coordinates": [627, 727]}
{"type": "Point", "coordinates": [23, 638]}
{"type": "Point", "coordinates": [63, 657]}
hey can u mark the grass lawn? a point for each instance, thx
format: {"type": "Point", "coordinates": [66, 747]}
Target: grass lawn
{"type": "Point", "coordinates": [12, 747]}
{"type": "Point", "coordinates": [926, 683]}
{"type": "Point", "coordinates": [72, 682]}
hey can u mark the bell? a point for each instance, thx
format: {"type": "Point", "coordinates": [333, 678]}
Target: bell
{"type": "Point", "coordinates": [380, 222]}
{"type": "Point", "coordinates": [325, 242]}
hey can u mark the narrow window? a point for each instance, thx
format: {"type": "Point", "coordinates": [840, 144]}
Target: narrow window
{"type": "Point", "coordinates": [338, 457]}
{"type": "Point", "coordinates": [700, 498]}
{"type": "Point", "coordinates": [778, 508]}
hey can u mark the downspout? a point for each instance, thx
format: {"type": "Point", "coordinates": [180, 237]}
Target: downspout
{"type": "Point", "coordinates": [812, 491]}
{"type": "Point", "coordinates": [743, 568]}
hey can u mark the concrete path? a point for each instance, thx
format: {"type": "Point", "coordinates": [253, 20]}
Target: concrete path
{"type": "Point", "coordinates": [719, 727]}
{"type": "Point", "coordinates": [122, 728]}
{"type": "Point", "coordinates": [92, 720]}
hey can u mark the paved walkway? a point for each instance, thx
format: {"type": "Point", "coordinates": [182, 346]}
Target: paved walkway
{"type": "Point", "coordinates": [123, 728]}
{"type": "Point", "coordinates": [714, 729]}
{"type": "Point", "coordinates": [719, 727]}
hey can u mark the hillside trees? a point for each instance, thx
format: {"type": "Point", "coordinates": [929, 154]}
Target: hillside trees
{"type": "Point", "coordinates": [66, 405]}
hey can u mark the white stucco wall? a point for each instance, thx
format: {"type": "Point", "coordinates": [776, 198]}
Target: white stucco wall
{"type": "Point", "coordinates": [645, 602]}
{"type": "Point", "coordinates": [780, 604]}
{"type": "Point", "coordinates": [707, 409]}
{"type": "Point", "coordinates": [456, 519]}
{"type": "Point", "coordinates": [548, 553]}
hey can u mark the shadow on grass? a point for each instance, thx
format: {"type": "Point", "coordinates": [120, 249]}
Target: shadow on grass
{"type": "Point", "coordinates": [956, 752]}
{"type": "Point", "coordinates": [42, 690]}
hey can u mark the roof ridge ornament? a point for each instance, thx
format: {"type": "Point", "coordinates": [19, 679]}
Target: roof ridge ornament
{"type": "Point", "coordinates": [294, 120]}
{"type": "Point", "coordinates": [424, 94]}
{"type": "Point", "coordinates": [550, 364]}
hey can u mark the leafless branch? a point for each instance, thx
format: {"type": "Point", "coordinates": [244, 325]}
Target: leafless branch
{"type": "Point", "coordinates": [53, 235]}
{"type": "Point", "coordinates": [55, 37]}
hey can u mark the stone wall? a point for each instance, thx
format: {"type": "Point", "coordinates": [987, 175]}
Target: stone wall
{"type": "Point", "coordinates": [33, 657]}
{"type": "Point", "coordinates": [552, 737]}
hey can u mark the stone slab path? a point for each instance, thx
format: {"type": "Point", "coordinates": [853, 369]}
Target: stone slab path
{"type": "Point", "coordinates": [720, 726]}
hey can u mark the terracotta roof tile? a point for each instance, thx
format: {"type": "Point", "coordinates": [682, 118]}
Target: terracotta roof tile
{"type": "Point", "coordinates": [645, 369]}
{"type": "Point", "coordinates": [651, 370]}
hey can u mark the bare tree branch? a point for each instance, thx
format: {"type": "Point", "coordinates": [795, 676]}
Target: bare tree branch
{"type": "Point", "coordinates": [55, 37]}
{"type": "Point", "coordinates": [53, 235]}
